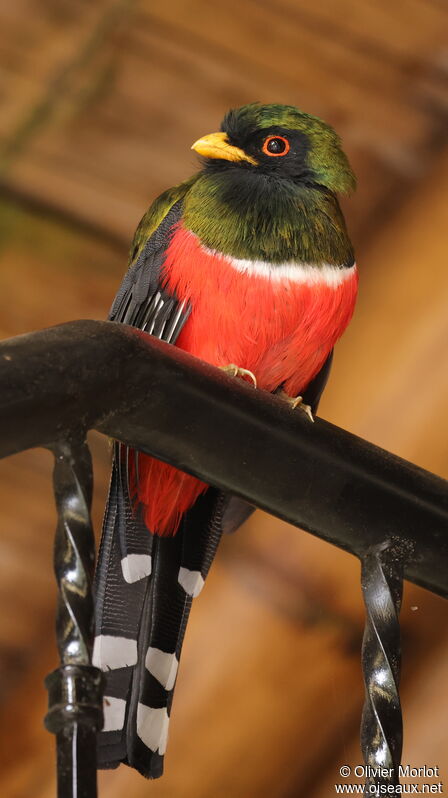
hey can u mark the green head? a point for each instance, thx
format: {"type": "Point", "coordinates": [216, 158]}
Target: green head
{"type": "Point", "coordinates": [279, 140]}
{"type": "Point", "coordinates": [268, 187]}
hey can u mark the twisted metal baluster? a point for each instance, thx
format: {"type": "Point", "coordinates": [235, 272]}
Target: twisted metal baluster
{"type": "Point", "coordinates": [381, 725]}
{"type": "Point", "coordinates": [75, 706]}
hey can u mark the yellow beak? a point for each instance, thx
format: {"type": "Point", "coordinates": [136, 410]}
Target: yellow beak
{"type": "Point", "coordinates": [216, 145]}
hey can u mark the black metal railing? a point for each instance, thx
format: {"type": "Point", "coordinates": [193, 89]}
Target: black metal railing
{"type": "Point", "coordinates": [57, 384]}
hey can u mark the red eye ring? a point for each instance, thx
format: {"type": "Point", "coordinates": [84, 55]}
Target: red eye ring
{"type": "Point", "coordinates": [276, 154]}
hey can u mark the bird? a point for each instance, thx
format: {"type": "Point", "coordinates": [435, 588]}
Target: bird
{"type": "Point", "coordinates": [248, 266]}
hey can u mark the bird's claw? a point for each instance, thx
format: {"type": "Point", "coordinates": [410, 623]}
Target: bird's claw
{"type": "Point", "coordinates": [237, 371]}
{"type": "Point", "coordinates": [297, 401]}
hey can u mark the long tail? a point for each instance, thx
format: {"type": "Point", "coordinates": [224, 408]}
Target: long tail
{"type": "Point", "coordinates": [144, 588]}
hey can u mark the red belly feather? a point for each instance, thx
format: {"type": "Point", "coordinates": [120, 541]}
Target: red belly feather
{"type": "Point", "coordinates": [282, 331]}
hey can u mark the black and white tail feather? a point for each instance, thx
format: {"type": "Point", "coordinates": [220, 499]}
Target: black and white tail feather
{"type": "Point", "coordinates": [144, 584]}
{"type": "Point", "coordinates": [145, 587]}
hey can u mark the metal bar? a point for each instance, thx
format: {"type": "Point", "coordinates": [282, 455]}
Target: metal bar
{"type": "Point", "coordinates": [74, 689]}
{"type": "Point", "coordinates": [382, 725]}
{"type": "Point", "coordinates": [149, 394]}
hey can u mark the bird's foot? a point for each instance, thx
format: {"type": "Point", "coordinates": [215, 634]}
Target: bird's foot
{"type": "Point", "coordinates": [297, 401]}
{"type": "Point", "coordinates": [236, 371]}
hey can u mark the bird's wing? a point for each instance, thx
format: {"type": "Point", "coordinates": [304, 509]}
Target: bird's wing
{"type": "Point", "coordinates": [144, 584]}
{"type": "Point", "coordinates": [315, 389]}
{"type": "Point", "coordinates": [141, 301]}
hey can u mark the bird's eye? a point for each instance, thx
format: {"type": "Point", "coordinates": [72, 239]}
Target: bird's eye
{"type": "Point", "coordinates": [276, 145]}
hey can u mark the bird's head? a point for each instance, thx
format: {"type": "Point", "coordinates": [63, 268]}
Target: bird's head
{"type": "Point", "coordinates": [279, 140]}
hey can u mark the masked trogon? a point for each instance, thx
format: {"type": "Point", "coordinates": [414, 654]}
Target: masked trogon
{"type": "Point", "coordinates": [248, 266]}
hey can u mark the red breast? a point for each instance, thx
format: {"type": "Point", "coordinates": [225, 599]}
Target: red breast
{"type": "Point", "coordinates": [278, 321]}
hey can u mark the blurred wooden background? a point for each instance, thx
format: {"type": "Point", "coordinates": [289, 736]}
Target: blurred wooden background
{"type": "Point", "coordinates": [100, 104]}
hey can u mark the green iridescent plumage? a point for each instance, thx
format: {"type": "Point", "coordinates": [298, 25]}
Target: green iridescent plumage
{"type": "Point", "coordinates": [277, 221]}
{"type": "Point", "coordinates": [281, 209]}
{"type": "Point", "coordinates": [156, 213]}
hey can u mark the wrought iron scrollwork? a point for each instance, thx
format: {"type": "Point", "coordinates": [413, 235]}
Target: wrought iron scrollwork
{"type": "Point", "coordinates": [381, 725]}
{"type": "Point", "coordinates": [74, 689]}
